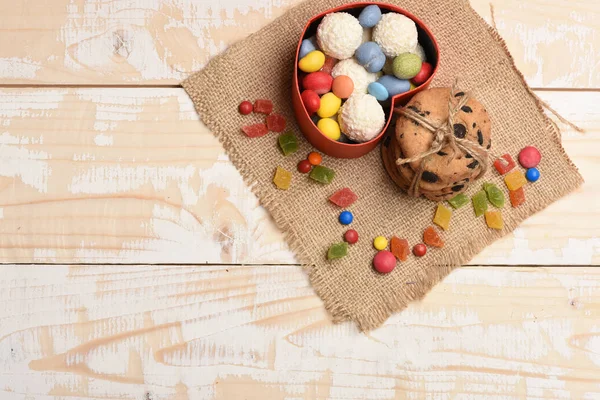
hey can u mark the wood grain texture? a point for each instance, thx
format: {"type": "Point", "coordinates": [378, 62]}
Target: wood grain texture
{"type": "Point", "coordinates": [130, 176]}
{"type": "Point", "coordinates": [158, 42]}
{"type": "Point", "coordinates": [259, 332]}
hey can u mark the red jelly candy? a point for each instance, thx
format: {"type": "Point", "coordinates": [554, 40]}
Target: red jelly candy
{"type": "Point", "coordinates": [351, 236]}
{"type": "Point", "coordinates": [245, 107]}
{"type": "Point", "coordinates": [318, 81]}
{"type": "Point", "coordinates": [423, 75]}
{"type": "Point", "coordinates": [256, 130]}
{"type": "Point", "coordinates": [276, 122]}
{"type": "Point", "coordinates": [432, 238]}
{"type": "Point", "coordinates": [384, 262]}
{"type": "Point", "coordinates": [263, 106]}
{"type": "Point", "coordinates": [517, 197]}
{"type": "Point", "coordinates": [399, 248]}
{"type": "Point", "coordinates": [311, 100]}
{"type": "Point", "coordinates": [419, 250]}
{"type": "Point", "coordinates": [329, 64]}
{"type": "Point", "coordinates": [530, 157]}
{"type": "Point", "coordinates": [504, 164]}
{"type": "Point", "coordinates": [343, 198]}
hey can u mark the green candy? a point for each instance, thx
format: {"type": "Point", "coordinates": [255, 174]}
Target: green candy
{"type": "Point", "coordinates": [458, 201]}
{"type": "Point", "coordinates": [338, 250]}
{"type": "Point", "coordinates": [407, 66]}
{"type": "Point", "coordinates": [480, 203]}
{"type": "Point", "coordinates": [322, 174]}
{"type": "Point", "coordinates": [288, 143]}
{"type": "Point", "coordinates": [494, 194]}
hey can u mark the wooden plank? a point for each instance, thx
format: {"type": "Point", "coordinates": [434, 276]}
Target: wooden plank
{"type": "Point", "coordinates": [131, 176]}
{"type": "Point", "coordinates": [147, 43]}
{"type": "Point", "coordinates": [224, 332]}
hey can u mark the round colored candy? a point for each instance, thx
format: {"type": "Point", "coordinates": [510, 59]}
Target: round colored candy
{"type": "Point", "coordinates": [394, 85]}
{"type": "Point", "coordinates": [330, 128]}
{"type": "Point", "coordinates": [532, 174]}
{"type": "Point", "coordinates": [419, 250]}
{"type": "Point", "coordinates": [315, 158]}
{"type": "Point", "coordinates": [304, 167]}
{"type": "Point", "coordinates": [245, 107]}
{"type": "Point", "coordinates": [346, 218]}
{"type": "Point", "coordinates": [380, 243]}
{"type": "Point", "coordinates": [312, 62]}
{"type": "Point", "coordinates": [384, 262]}
{"type": "Point", "coordinates": [311, 101]}
{"type": "Point", "coordinates": [330, 105]}
{"type": "Point", "coordinates": [529, 157]}
{"type": "Point", "coordinates": [423, 75]}
{"type": "Point", "coordinates": [378, 91]}
{"type": "Point", "coordinates": [318, 81]}
{"type": "Point", "coordinates": [370, 56]}
{"type": "Point", "coordinates": [407, 66]}
{"type": "Point", "coordinates": [343, 86]}
{"type": "Point", "coordinates": [307, 46]}
{"type": "Point", "coordinates": [369, 16]}
{"type": "Point", "coordinates": [351, 236]}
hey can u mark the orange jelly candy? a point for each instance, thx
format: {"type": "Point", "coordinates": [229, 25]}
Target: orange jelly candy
{"type": "Point", "coordinates": [515, 180]}
{"type": "Point", "coordinates": [399, 248]}
{"type": "Point", "coordinates": [442, 217]}
{"type": "Point", "coordinates": [432, 238]}
{"type": "Point", "coordinates": [517, 197]}
{"type": "Point", "coordinates": [282, 179]}
{"type": "Point", "coordinates": [494, 220]}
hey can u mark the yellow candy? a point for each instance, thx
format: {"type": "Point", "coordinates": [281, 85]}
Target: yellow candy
{"type": "Point", "coordinates": [412, 86]}
{"type": "Point", "coordinates": [312, 62]}
{"type": "Point", "coordinates": [515, 180]}
{"type": "Point", "coordinates": [282, 179]}
{"type": "Point", "coordinates": [493, 219]}
{"type": "Point", "coordinates": [380, 243]}
{"type": "Point", "coordinates": [442, 217]}
{"type": "Point", "coordinates": [329, 128]}
{"type": "Point", "coordinates": [330, 105]}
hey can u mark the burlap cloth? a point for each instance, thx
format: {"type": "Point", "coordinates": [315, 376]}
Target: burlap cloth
{"type": "Point", "coordinates": [261, 66]}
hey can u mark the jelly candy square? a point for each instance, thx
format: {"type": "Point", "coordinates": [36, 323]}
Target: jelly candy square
{"type": "Point", "coordinates": [263, 106]}
{"type": "Point", "coordinates": [458, 201]}
{"type": "Point", "coordinates": [442, 217]}
{"type": "Point", "coordinates": [322, 174]}
{"type": "Point", "coordinates": [517, 197]}
{"type": "Point", "coordinates": [493, 219]}
{"type": "Point", "coordinates": [494, 194]}
{"type": "Point", "coordinates": [256, 130]}
{"type": "Point", "coordinates": [480, 203]}
{"type": "Point", "coordinates": [432, 238]}
{"type": "Point", "coordinates": [288, 143]}
{"type": "Point", "coordinates": [399, 248]}
{"type": "Point", "coordinates": [337, 250]}
{"type": "Point", "coordinates": [282, 178]}
{"type": "Point", "coordinates": [276, 122]}
{"type": "Point", "coordinates": [504, 164]}
{"type": "Point", "coordinates": [343, 198]}
{"type": "Point", "coordinates": [515, 180]}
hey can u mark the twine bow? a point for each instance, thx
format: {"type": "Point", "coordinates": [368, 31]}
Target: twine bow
{"type": "Point", "coordinates": [443, 135]}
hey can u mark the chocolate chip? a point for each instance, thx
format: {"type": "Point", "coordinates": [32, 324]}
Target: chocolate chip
{"type": "Point", "coordinates": [480, 137]}
{"type": "Point", "coordinates": [415, 133]}
{"type": "Point", "coordinates": [489, 146]}
{"type": "Point", "coordinates": [387, 141]}
{"type": "Point", "coordinates": [467, 109]}
{"type": "Point", "coordinates": [441, 153]}
{"type": "Point", "coordinates": [473, 165]}
{"type": "Point", "coordinates": [457, 188]}
{"type": "Point", "coordinates": [427, 112]}
{"type": "Point", "coordinates": [468, 156]}
{"type": "Point", "coordinates": [429, 176]}
{"type": "Point", "coordinates": [415, 109]}
{"type": "Point", "coordinates": [459, 94]}
{"type": "Point", "coordinates": [415, 123]}
{"type": "Point", "coordinates": [460, 131]}
{"type": "Point", "coordinates": [467, 180]}
{"type": "Point", "coordinates": [402, 136]}
{"type": "Point", "coordinates": [474, 125]}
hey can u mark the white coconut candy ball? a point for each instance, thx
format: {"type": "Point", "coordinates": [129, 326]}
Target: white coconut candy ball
{"type": "Point", "coordinates": [362, 118]}
{"type": "Point", "coordinates": [396, 34]}
{"type": "Point", "coordinates": [339, 35]}
{"type": "Point", "coordinates": [420, 51]}
{"type": "Point", "coordinates": [359, 75]}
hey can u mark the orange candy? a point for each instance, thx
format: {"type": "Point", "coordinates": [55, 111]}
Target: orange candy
{"type": "Point", "coordinates": [342, 86]}
{"type": "Point", "coordinates": [315, 158]}
{"type": "Point", "coordinates": [517, 197]}
{"type": "Point", "coordinates": [431, 238]}
{"type": "Point", "coordinates": [399, 248]}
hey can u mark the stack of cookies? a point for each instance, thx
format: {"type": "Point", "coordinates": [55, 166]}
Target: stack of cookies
{"type": "Point", "coordinates": [448, 172]}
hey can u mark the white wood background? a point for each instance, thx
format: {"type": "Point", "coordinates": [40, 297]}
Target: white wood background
{"type": "Point", "coordinates": [103, 163]}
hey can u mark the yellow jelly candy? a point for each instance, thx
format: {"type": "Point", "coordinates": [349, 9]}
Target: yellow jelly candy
{"type": "Point", "coordinates": [312, 62]}
{"type": "Point", "coordinates": [380, 243]}
{"type": "Point", "coordinates": [282, 178]}
{"type": "Point", "coordinates": [330, 128]}
{"type": "Point", "coordinates": [330, 105]}
{"type": "Point", "coordinates": [442, 217]}
{"type": "Point", "coordinates": [515, 180]}
{"type": "Point", "coordinates": [493, 219]}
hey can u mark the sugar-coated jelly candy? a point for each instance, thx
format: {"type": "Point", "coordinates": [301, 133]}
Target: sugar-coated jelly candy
{"type": "Point", "coordinates": [276, 122]}
{"type": "Point", "coordinates": [322, 174]}
{"type": "Point", "coordinates": [384, 262]}
{"type": "Point", "coordinates": [343, 198]}
{"type": "Point", "coordinates": [458, 201]}
{"type": "Point", "coordinates": [263, 106]}
{"type": "Point", "coordinates": [432, 238]}
{"type": "Point", "coordinates": [515, 180]}
{"type": "Point", "coordinates": [493, 219]}
{"type": "Point", "coordinates": [256, 130]}
{"type": "Point", "coordinates": [494, 195]}
{"type": "Point", "coordinates": [288, 143]}
{"type": "Point", "coordinates": [399, 247]}
{"type": "Point", "coordinates": [442, 217]}
{"type": "Point", "coordinates": [530, 157]}
{"type": "Point", "coordinates": [517, 197]}
{"type": "Point", "coordinates": [338, 250]}
{"type": "Point", "coordinates": [282, 178]}
{"type": "Point", "coordinates": [480, 203]}
{"type": "Point", "coordinates": [504, 164]}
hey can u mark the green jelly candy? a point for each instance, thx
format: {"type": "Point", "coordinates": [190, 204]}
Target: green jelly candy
{"type": "Point", "coordinates": [480, 203]}
{"type": "Point", "coordinates": [494, 194]}
{"type": "Point", "coordinates": [338, 250]}
{"type": "Point", "coordinates": [458, 201]}
{"type": "Point", "coordinates": [322, 174]}
{"type": "Point", "coordinates": [288, 143]}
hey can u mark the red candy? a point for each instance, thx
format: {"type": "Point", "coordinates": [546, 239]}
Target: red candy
{"type": "Point", "coordinates": [504, 164]}
{"type": "Point", "coordinates": [529, 157]}
{"type": "Point", "coordinates": [351, 236]}
{"type": "Point", "coordinates": [304, 167]}
{"type": "Point", "coordinates": [329, 64]}
{"type": "Point", "coordinates": [419, 250]}
{"type": "Point", "coordinates": [263, 106]}
{"type": "Point", "coordinates": [311, 101]}
{"type": "Point", "coordinates": [319, 81]}
{"type": "Point", "coordinates": [384, 262]}
{"type": "Point", "coordinates": [245, 107]}
{"type": "Point", "coordinates": [343, 198]}
{"type": "Point", "coordinates": [276, 122]}
{"type": "Point", "coordinates": [256, 130]}
{"type": "Point", "coordinates": [423, 75]}
{"type": "Point", "coordinates": [517, 197]}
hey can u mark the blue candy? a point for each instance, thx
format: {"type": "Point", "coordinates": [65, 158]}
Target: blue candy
{"type": "Point", "coordinates": [346, 218]}
{"type": "Point", "coordinates": [394, 85]}
{"type": "Point", "coordinates": [532, 174]}
{"type": "Point", "coordinates": [378, 91]}
{"type": "Point", "coordinates": [307, 46]}
{"type": "Point", "coordinates": [370, 56]}
{"type": "Point", "coordinates": [370, 16]}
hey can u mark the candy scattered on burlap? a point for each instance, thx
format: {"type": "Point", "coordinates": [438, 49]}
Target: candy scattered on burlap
{"type": "Point", "coordinates": [442, 217]}
{"type": "Point", "coordinates": [304, 167]}
{"type": "Point", "coordinates": [346, 218]}
{"type": "Point", "coordinates": [245, 107]}
{"type": "Point", "coordinates": [532, 174]}
{"type": "Point", "coordinates": [380, 243]}
{"type": "Point", "coordinates": [494, 220]}
{"type": "Point", "coordinates": [458, 201]}
{"type": "Point", "coordinates": [504, 164]}
{"type": "Point", "coordinates": [384, 262]}
{"type": "Point", "coordinates": [419, 250]}
{"type": "Point", "coordinates": [494, 195]}
{"type": "Point", "coordinates": [480, 203]}
{"type": "Point", "coordinates": [288, 143]}
{"type": "Point", "coordinates": [263, 106]}
{"type": "Point", "coordinates": [276, 122]}
{"type": "Point", "coordinates": [314, 158]}
{"type": "Point", "coordinates": [432, 238]}
{"type": "Point", "coordinates": [282, 178]}
{"type": "Point", "coordinates": [530, 157]}
{"type": "Point", "coordinates": [517, 197]}
{"type": "Point", "coordinates": [337, 251]}
{"type": "Point", "coordinates": [322, 174]}
{"type": "Point", "coordinates": [515, 180]}
{"type": "Point", "coordinates": [255, 130]}
{"type": "Point", "coordinates": [400, 248]}
{"type": "Point", "coordinates": [351, 236]}
{"type": "Point", "coordinates": [343, 198]}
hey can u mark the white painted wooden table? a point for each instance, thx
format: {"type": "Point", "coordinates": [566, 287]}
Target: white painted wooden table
{"type": "Point", "coordinates": [137, 265]}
